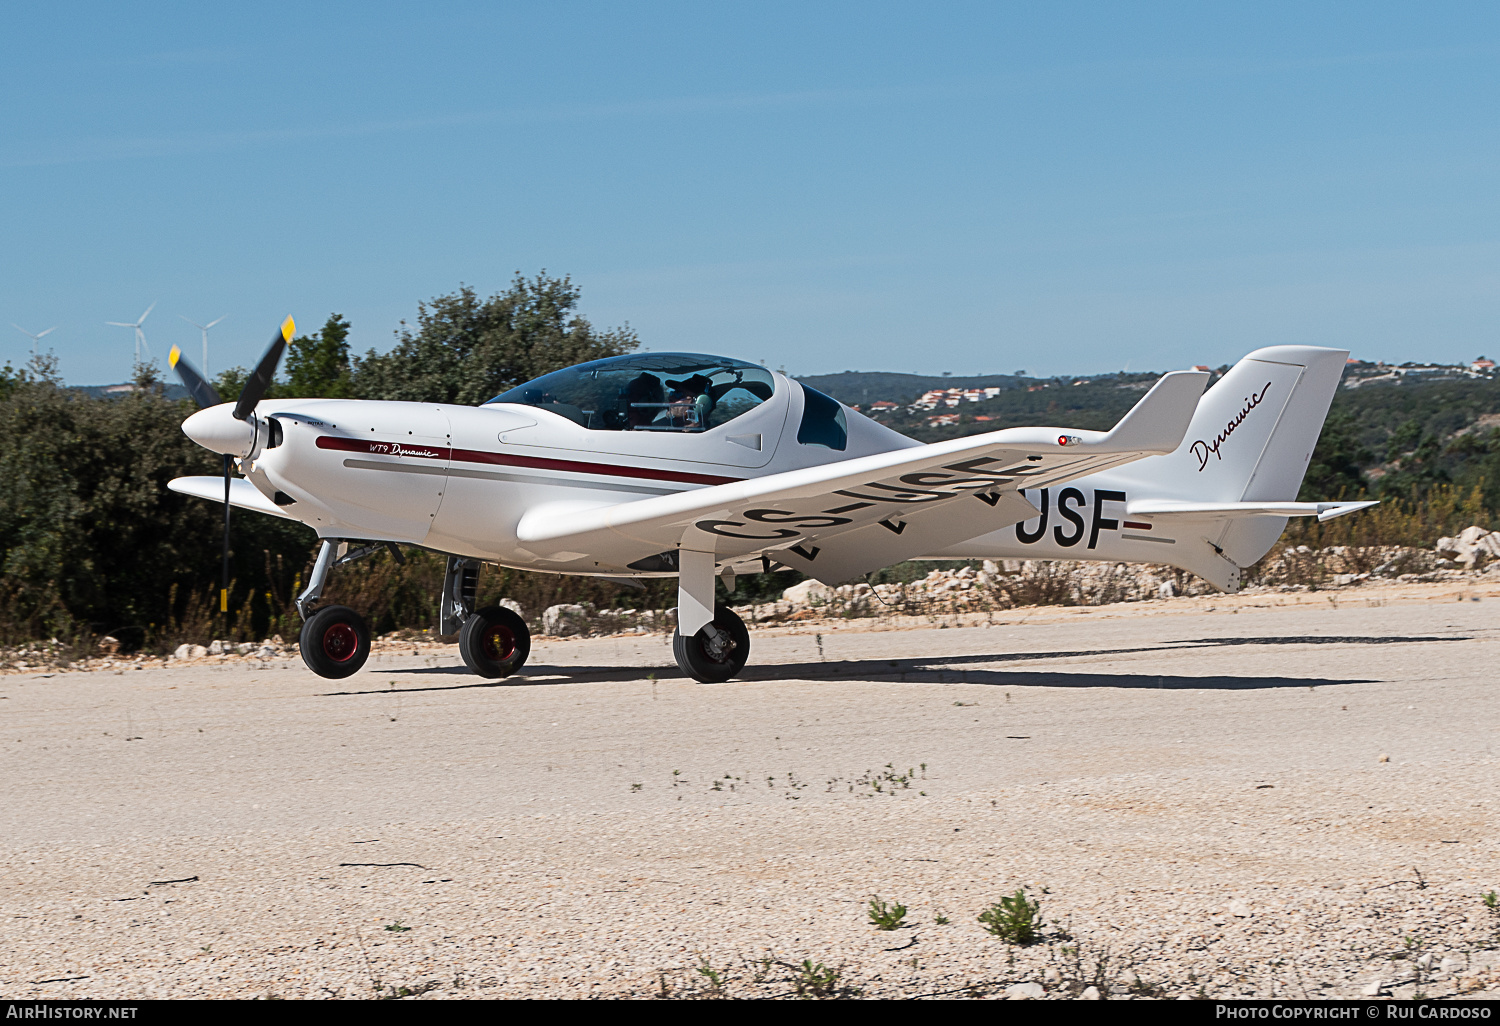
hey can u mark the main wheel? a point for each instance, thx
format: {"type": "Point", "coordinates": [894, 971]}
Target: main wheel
{"type": "Point", "coordinates": [494, 642]}
{"type": "Point", "coordinates": [335, 642]}
{"type": "Point", "coordinates": [714, 659]}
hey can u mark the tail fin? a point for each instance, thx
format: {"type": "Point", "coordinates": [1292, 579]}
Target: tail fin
{"type": "Point", "coordinates": [1249, 442]}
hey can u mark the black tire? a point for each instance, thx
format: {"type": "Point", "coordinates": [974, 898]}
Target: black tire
{"type": "Point", "coordinates": [494, 642]}
{"type": "Point", "coordinates": [696, 655]}
{"type": "Point", "coordinates": [335, 642]}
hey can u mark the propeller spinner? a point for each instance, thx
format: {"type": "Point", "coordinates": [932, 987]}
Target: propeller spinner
{"type": "Point", "coordinates": [218, 427]}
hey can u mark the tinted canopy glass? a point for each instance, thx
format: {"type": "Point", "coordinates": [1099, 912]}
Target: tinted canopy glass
{"type": "Point", "coordinates": [681, 392]}
{"type": "Point", "coordinates": [823, 421]}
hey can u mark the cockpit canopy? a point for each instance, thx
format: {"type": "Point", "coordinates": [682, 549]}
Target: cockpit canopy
{"type": "Point", "coordinates": [682, 392]}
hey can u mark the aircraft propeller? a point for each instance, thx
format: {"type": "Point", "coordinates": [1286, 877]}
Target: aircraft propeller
{"type": "Point", "coordinates": [251, 394]}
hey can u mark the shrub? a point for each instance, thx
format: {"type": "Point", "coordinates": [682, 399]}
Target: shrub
{"type": "Point", "coordinates": [886, 916]}
{"type": "Point", "coordinates": [1015, 919]}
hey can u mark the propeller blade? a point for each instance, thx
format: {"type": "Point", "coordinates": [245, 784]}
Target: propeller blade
{"type": "Point", "coordinates": [260, 380]}
{"type": "Point", "coordinates": [147, 313]}
{"type": "Point", "coordinates": [202, 392]}
{"type": "Point", "coordinates": [47, 332]}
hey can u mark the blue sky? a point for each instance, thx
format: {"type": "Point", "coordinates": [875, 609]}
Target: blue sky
{"type": "Point", "coordinates": [975, 188]}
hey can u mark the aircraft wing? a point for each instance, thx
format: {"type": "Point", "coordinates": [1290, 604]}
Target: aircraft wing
{"type": "Point", "coordinates": [840, 520]}
{"type": "Point", "coordinates": [241, 493]}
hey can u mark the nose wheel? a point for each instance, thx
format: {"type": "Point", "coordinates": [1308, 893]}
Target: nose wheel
{"type": "Point", "coordinates": [335, 642]}
{"type": "Point", "coordinates": [494, 642]}
{"type": "Point", "coordinates": [717, 652]}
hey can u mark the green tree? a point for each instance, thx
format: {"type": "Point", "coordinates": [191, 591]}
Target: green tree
{"type": "Point", "coordinates": [231, 381]}
{"type": "Point", "coordinates": [1404, 439]}
{"type": "Point", "coordinates": [317, 366]}
{"type": "Point", "coordinates": [468, 350]}
{"type": "Point", "coordinates": [1334, 471]}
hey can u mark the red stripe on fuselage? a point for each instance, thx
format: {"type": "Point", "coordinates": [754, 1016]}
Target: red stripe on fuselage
{"type": "Point", "coordinates": [436, 452]}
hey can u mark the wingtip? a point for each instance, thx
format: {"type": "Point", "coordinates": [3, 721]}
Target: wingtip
{"type": "Point", "coordinates": [288, 329]}
{"type": "Point", "coordinates": [174, 356]}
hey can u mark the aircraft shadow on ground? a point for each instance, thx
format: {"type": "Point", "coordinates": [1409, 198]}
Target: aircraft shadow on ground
{"type": "Point", "coordinates": [922, 673]}
{"type": "Point", "coordinates": [944, 670]}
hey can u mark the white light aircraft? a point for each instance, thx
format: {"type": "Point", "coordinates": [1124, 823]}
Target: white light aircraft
{"type": "Point", "coordinates": [702, 467]}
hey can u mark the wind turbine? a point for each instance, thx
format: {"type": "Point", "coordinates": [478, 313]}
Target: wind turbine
{"type": "Point", "coordinates": [34, 338]}
{"type": "Point", "coordinates": [203, 328]}
{"type": "Point", "coordinates": [140, 336]}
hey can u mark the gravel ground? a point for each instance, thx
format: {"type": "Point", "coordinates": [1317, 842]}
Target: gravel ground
{"type": "Point", "coordinates": [1253, 797]}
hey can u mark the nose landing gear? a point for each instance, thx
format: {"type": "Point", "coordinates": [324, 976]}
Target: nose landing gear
{"type": "Point", "coordinates": [335, 642]}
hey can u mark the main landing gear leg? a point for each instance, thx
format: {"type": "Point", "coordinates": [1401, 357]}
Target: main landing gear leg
{"type": "Point", "coordinates": [335, 641]}
{"type": "Point", "coordinates": [711, 643]}
{"type": "Point", "coordinates": [494, 641]}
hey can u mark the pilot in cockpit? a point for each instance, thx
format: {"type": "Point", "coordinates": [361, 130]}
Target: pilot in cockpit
{"type": "Point", "coordinates": [688, 405]}
{"type": "Point", "coordinates": [643, 401]}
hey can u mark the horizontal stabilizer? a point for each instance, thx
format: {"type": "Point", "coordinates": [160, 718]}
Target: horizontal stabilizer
{"type": "Point", "coordinates": [1322, 510]}
{"type": "Point", "coordinates": [241, 493]}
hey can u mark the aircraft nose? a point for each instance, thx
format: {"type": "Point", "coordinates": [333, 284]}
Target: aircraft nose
{"type": "Point", "coordinates": [217, 431]}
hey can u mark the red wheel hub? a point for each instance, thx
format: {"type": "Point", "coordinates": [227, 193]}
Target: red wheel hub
{"type": "Point", "coordinates": [499, 643]}
{"type": "Point", "coordinates": [340, 642]}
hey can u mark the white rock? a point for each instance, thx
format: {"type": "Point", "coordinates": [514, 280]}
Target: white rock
{"type": "Point", "coordinates": [513, 606]}
{"type": "Point", "coordinates": [1090, 994]}
{"type": "Point", "coordinates": [1373, 988]}
{"type": "Point", "coordinates": [217, 647]}
{"type": "Point", "coordinates": [565, 620]}
{"type": "Point", "coordinates": [809, 592]}
{"type": "Point", "coordinates": [183, 651]}
{"type": "Point", "coordinates": [1026, 992]}
{"type": "Point", "coordinates": [1239, 908]}
{"type": "Point", "coordinates": [197, 652]}
{"type": "Point", "coordinates": [1473, 547]}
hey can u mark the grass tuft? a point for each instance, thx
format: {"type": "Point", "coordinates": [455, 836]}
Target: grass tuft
{"type": "Point", "coordinates": [884, 916]}
{"type": "Point", "coordinates": [1015, 919]}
